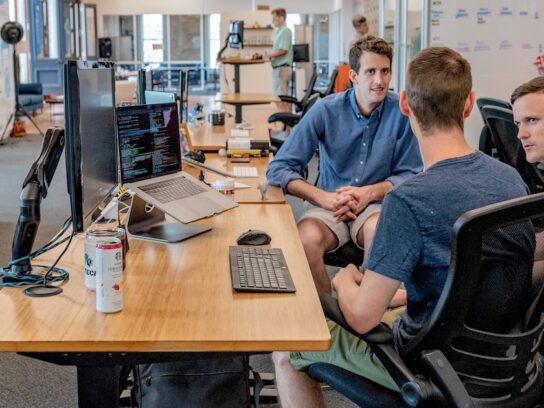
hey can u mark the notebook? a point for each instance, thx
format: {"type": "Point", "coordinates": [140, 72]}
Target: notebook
{"type": "Point", "coordinates": [150, 158]}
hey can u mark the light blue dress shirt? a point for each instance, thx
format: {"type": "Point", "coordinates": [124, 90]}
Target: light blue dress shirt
{"type": "Point", "coordinates": [354, 150]}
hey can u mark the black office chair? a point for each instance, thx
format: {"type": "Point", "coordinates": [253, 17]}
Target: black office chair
{"type": "Point", "coordinates": [299, 105]}
{"type": "Point", "coordinates": [503, 132]}
{"type": "Point", "coordinates": [332, 84]}
{"type": "Point", "coordinates": [485, 142]}
{"type": "Point", "coordinates": [449, 363]}
{"type": "Point", "coordinates": [289, 120]}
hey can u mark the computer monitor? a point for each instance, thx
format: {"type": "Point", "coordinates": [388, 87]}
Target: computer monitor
{"type": "Point", "coordinates": [301, 53]}
{"type": "Point", "coordinates": [236, 34]}
{"type": "Point", "coordinates": [153, 97]}
{"type": "Point", "coordinates": [183, 95]}
{"type": "Point", "coordinates": [140, 89]}
{"type": "Point", "coordinates": [91, 144]}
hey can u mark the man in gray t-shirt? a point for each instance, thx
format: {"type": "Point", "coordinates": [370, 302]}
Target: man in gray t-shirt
{"type": "Point", "coordinates": [412, 241]}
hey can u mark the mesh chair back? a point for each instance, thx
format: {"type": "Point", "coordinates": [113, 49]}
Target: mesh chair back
{"type": "Point", "coordinates": [503, 132]}
{"type": "Point", "coordinates": [309, 90]}
{"type": "Point", "coordinates": [481, 102]}
{"type": "Point", "coordinates": [488, 244]}
{"type": "Point", "coordinates": [485, 143]}
{"type": "Point", "coordinates": [309, 103]}
{"type": "Point", "coordinates": [332, 84]}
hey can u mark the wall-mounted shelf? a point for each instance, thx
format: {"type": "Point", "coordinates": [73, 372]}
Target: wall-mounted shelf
{"type": "Point", "coordinates": [259, 28]}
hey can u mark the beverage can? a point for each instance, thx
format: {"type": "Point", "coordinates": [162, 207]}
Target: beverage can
{"type": "Point", "coordinates": [109, 275]}
{"type": "Point", "coordinates": [91, 238]}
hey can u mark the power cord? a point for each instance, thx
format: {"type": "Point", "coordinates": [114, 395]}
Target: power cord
{"type": "Point", "coordinates": [53, 274]}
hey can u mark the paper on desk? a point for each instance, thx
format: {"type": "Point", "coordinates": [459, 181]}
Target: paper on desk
{"type": "Point", "coordinates": [239, 133]}
{"type": "Point", "coordinates": [238, 185]}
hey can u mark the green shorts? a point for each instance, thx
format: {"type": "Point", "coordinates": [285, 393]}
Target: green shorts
{"type": "Point", "coordinates": [350, 353]}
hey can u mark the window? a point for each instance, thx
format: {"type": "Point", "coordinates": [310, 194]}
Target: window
{"type": "Point", "coordinates": [152, 38]}
{"type": "Point", "coordinates": [214, 38]}
{"type": "Point", "coordinates": [291, 21]}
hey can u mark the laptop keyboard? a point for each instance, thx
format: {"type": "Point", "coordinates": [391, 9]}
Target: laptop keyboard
{"type": "Point", "coordinates": [172, 189]}
{"type": "Point", "coordinates": [258, 269]}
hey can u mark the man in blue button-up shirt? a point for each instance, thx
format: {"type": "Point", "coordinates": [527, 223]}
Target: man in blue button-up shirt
{"type": "Point", "coordinates": [366, 146]}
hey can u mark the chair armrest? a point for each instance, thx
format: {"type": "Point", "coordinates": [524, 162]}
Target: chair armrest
{"type": "Point", "coordinates": [379, 334]}
{"type": "Point", "coordinates": [288, 119]}
{"type": "Point", "coordinates": [32, 88]}
{"type": "Point", "coordinates": [287, 98]}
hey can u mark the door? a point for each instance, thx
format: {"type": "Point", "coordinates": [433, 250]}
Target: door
{"type": "Point", "coordinates": [45, 50]}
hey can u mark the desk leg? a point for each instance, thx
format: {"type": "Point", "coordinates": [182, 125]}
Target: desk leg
{"type": "Point", "coordinates": [98, 386]}
{"type": "Point", "coordinates": [236, 78]}
{"type": "Point", "coordinates": [238, 113]}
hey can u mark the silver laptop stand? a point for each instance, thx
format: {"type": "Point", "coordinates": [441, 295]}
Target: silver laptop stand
{"type": "Point", "coordinates": [148, 222]}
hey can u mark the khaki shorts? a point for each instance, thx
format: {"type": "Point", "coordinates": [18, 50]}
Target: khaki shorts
{"type": "Point", "coordinates": [344, 231]}
{"type": "Point", "coordinates": [350, 353]}
{"type": "Point", "coordinates": [280, 80]}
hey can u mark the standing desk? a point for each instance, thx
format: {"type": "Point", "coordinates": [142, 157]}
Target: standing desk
{"type": "Point", "coordinates": [236, 62]}
{"type": "Point", "coordinates": [177, 298]}
{"type": "Point", "coordinates": [238, 100]}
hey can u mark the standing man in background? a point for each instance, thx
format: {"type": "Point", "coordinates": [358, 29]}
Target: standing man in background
{"type": "Point", "coordinates": [281, 57]}
{"type": "Point", "coordinates": [361, 28]}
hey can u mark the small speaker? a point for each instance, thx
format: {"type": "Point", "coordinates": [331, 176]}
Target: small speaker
{"type": "Point", "coordinates": [104, 48]}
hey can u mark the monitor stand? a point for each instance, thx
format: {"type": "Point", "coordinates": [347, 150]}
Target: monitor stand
{"type": "Point", "coordinates": [147, 222]}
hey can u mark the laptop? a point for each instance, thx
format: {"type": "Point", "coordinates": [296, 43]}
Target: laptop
{"type": "Point", "coordinates": [150, 161]}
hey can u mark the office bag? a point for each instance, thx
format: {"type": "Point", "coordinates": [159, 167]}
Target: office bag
{"type": "Point", "coordinates": [200, 382]}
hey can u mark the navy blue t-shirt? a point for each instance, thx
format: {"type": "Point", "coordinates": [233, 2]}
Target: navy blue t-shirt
{"type": "Point", "coordinates": [413, 236]}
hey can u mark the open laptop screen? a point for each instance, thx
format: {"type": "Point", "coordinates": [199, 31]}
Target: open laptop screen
{"type": "Point", "coordinates": [149, 142]}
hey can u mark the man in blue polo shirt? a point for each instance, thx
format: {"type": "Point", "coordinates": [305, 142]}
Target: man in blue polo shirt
{"type": "Point", "coordinates": [413, 238]}
{"type": "Point", "coordinates": [281, 57]}
{"type": "Point", "coordinates": [365, 146]}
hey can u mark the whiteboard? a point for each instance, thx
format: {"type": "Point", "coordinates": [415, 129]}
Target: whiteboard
{"type": "Point", "coordinates": [7, 97]}
{"type": "Point", "coordinates": [500, 39]}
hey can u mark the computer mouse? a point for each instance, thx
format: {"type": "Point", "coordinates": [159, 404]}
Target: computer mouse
{"type": "Point", "coordinates": [196, 155]}
{"type": "Point", "coordinates": [253, 237]}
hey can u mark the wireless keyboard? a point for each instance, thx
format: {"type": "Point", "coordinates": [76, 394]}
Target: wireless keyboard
{"type": "Point", "coordinates": [256, 269]}
{"type": "Point", "coordinates": [245, 172]}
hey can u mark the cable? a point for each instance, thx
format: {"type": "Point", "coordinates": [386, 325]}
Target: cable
{"type": "Point", "coordinates": [58, 270]}
{"type": "Point", "coordinates": [48, 246]}
{"type": "Point", "coordinates": [7, 279]}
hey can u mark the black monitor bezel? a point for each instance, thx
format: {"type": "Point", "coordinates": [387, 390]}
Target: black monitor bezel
{"type": "Point", "coordinates": [134, 107]}
{"type": "Point", "coordinates": [305, 47]}
{"type": "Point", "coordinates": [73, 139]}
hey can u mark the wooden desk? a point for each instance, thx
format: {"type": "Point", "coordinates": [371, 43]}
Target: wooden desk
{"type": "Point", "coordinates": [236, 62]}
{"type": "Point", "coordinates": [210, 138]}
{"type": "Point", "coordinates": [241, 99]}
{"type": "Point", "coordinates": [247, 195]}
{"type": "Point", "coordinates": [177, 297]}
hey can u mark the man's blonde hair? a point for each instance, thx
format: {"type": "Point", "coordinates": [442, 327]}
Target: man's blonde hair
{"type": "Point", "coordinates": [280, 12]}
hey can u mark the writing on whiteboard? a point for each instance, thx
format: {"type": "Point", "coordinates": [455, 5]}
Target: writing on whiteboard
{"type": "Point", "coordinates": [481, 46]}
{"type": "Point", "coordinates": [461, 13]}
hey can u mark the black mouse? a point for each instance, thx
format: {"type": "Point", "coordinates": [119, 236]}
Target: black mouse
{"type": "Point", "coordinates": [253, 237]}
{"type": "Point", "coordinates": [196, 155]}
